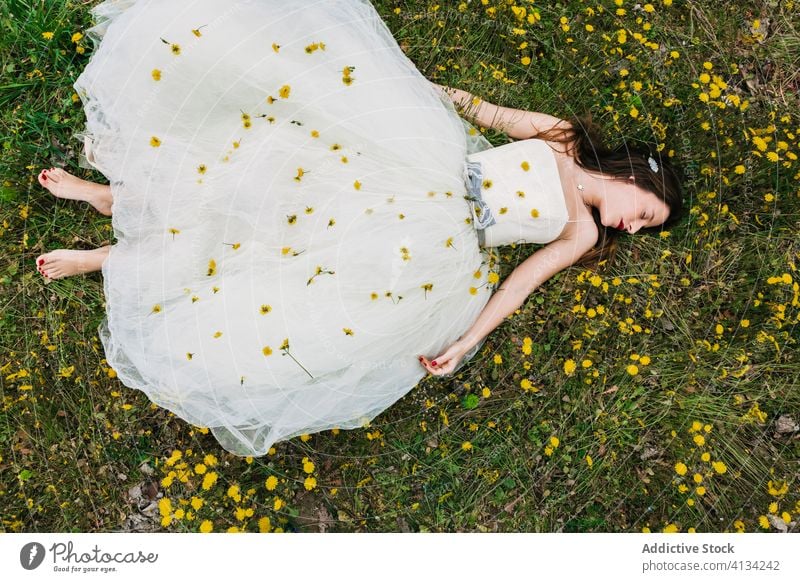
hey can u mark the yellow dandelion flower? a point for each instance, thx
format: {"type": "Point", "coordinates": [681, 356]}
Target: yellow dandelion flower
{"type": "Point", "coordinates": [264, 309]}
{"type": "Point", "coordinates": [347, 331]}
{"type": "Point", "coordinates": [569, 367]}
{"type": "Point", "coordinates": [201, 169]}
{"type": "Point", "coordinates": [175, 48]}
{"type": "Point", "coordinates": [156, 308]}
{"type": "Point", "coordinates": [777, 488]}
{"type": "Point", "coordinates": [357, 185]}
{"type": "Point", "coordinates": [156, 74]}
{"type": "Point", "coordinates": [47, 35]}
{"type": "Point", "coordinates": [209, 480]}
{"type": "Point", "coordinates": [212, 268]}
{"type": "Point", "coordinates": [266, 350]}
{"type": "Point", "coordinates": [487, 184]}
{"type": "Point", "coordinates": [632, 369]}
{"type": "Point", "coordinates": [763, 522]}
{"type": "Point", "coordinates": [310, 483]}
{"type": "Point", "coordinates": [271, 483]}
{"type": "Point", "coordinates": [217, 334]}
{"type": "Point", "coordinates": [284, 91]}
{"type": "Point", "coordinates": [155, 142]}
{"type": "Point", "coordinates": [525, 166]}
{"type": "Point", "coordinates": [276, 47]}
{"type": "Point", "coordinates": [680, 468]}
{"type": "Point", "coordinates": [699, 440]}
{"type": "Point", "coordinates": [670, 528]}
{"type": "Point", "coordinates": [534, 213]}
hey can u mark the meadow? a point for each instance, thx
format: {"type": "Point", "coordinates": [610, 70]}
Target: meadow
{"type": "Point", "coordinates": [656, 393]}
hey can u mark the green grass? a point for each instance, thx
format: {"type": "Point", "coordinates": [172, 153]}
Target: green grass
{"type": "Point", "coordinates": [75, 442]}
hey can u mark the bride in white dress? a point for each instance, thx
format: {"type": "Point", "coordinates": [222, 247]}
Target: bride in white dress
{"type": "Point", "coordinates": [303, 220]}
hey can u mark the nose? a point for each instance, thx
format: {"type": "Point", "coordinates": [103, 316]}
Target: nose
{"type": "Point", "coordinates": [634, 227]}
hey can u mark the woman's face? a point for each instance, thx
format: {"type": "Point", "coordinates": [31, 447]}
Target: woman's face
{"type": "Point", "coordinates": [628, 207]}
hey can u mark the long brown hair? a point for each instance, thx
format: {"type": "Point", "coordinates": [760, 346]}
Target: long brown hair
{"type": "Point", "coordinates": [583, 140]}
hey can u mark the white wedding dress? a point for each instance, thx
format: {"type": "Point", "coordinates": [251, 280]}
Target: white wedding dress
{"type": "Point", "coordinates": [289, 208]}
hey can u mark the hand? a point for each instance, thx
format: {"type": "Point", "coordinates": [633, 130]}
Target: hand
{"type": "Point", "coordinates": [446, 362]}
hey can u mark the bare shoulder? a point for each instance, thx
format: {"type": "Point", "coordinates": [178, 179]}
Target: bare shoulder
{"type": "Point", "coordinates": [564, 251]}
{"type": "Point", "coordinates": [579, 236]}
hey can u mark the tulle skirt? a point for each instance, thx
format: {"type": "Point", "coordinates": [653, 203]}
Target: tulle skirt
{"type": "Point", "coordinates": [289, 212]}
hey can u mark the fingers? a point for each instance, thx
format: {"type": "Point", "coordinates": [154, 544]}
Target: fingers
{"type": "Point", "coordinates": [442, 367]}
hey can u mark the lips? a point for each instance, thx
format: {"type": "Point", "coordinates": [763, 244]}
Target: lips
{"type": "Point", "coordinates": [620, 226]}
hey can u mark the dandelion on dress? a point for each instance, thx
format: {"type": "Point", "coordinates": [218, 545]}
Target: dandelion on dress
{"type": "Point", "coordinates": [175, 48]}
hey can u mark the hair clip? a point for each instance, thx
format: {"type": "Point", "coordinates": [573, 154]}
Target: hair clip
{"type": "Point", "coordinates": [653, 163]}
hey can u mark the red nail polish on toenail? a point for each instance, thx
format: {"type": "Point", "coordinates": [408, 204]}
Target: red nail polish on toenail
{"type": "Point", "coordinates": [433, 363]}
{"type": "Point", "coordinates": [40, 261]}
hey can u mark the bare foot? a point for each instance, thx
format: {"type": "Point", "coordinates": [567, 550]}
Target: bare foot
{"type": "Point", "coordinates": [65, 262]}
{"type": "Point", "coordinates": [64, 185]}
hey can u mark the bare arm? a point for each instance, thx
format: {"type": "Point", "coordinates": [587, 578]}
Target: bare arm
{"type": "Point", "coordinates": [512, 293]}
{"type": "Point", "coordinates": [516, 123]}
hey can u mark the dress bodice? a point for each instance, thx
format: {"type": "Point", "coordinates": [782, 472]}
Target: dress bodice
{"type": "Point", "coordinates": [521, 187]}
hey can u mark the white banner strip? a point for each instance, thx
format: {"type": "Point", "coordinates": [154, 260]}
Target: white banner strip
{"type": "Point", "coordinates": [618, 557]}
